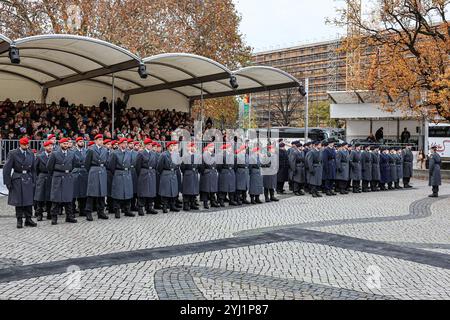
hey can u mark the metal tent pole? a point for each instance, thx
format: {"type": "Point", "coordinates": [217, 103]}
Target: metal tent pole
{"type": "Point", "coordinates": [113, 106]}
{"type": "Point", "coordinates": [201, 105]}
{"type": "Point", "coordinates": [307, 109]}
{"type": "Point", "coordinates": [270, 102]}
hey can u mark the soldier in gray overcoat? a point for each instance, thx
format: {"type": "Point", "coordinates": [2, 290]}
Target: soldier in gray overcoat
{"type": "Point", "coordinates": [157, 150]}
{"type": "Point", "coordinates": [270, 180]}
{"type": "Point", "coordinates": [19, 177]}
{"type": "Point", "coordinates": [366, 166]}
{"type": "Point", "coordinates": [256, 180]}
{"type": "Point", "coordinates": [342, 168]}
{"type": "Point", "coordinates": [43, 182]}
{"type": "Point", "coordinates": [356, 168]}
{"type": "Point", "coordinates": [227, 176]}
{"type": "Point", "coordinates": [96, 159]}
{"type": "Point", "coordinates": [135, 145]}
{"type": "Point", "coordinates": [399, 165]}
{"type": "Point", "coordinates": [297, 169]}
{"type": "Point", "coordinates": [107, 143]}
{"type": "Point", "coordinates": [60, 166]}
{"type": "Point", "coordinates": [434, 179]}
{"type": "Point", "coordinates": [168, 184]}
{"type": "Point", "coordinates": [242, 175]}
{"type": "Point", "coordinates": [376, 170]}
{"type": "Point", "coordinates": [313, 162]}
{"type": "Point", "coordinates": [146, 163]}
{"type": "Point", "coordinates": [393, 169]}
{"type": "Point", "coordinates": [80, 176]}
{"type": "Point", "coordinates": [119, 164]}
{"type": "Point", "coordinates": [209, 178]}
{"type": "Point", "coordinates": [408, 159]}
{"type": "Point", "coordinates": [191, 179]}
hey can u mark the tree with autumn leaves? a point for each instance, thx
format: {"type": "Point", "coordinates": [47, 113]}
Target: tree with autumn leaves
{"type": "Point", "coordinates": [405, 48]}
{"type": "Point", "coordinates": [146, 27]}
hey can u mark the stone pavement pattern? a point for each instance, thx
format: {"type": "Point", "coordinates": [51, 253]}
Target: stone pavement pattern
{"type": "Point", "coordinates": [390, 245]}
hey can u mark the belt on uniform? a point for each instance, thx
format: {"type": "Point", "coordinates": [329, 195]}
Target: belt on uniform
{"type": "Point", "coordinates": [124, 169]}
{"type": "Point", "coordinates": [63, 171]}
{"type": "Point", "coordinates": [169, 170]}
{"type": "Point", "coordinates": [148, 168]}
{"type": "Point", "coordinates": [25, 171]}
{"type": "Point", "coordinates": [229, 168]}
{"type": "Point", "coordinates": [243, 167]}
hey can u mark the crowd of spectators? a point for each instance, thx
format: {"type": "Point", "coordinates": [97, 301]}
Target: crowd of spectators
{"type": "Point", "coordinates": [69, 120]}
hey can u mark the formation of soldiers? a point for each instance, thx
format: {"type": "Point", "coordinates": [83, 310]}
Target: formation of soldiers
{"type": "Point", "coordinates": [126, 176]}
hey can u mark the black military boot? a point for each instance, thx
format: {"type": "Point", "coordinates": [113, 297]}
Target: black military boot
{"type": "Point", "coordinates": [244, 198]}
{"type": "Point", "coordinates": [150, 209]}
{"type": "Point", "coordinates": [253, 200]}
{"type": "Point", "coordinates": [194, 205]}
{"type": "Point", "coordinates": [232, 201]}
{"type": "Point", "coordinates": [272, 196]}
{"type": "Point", "coordinates": [164, 208]}
{"type": "Point", "coordinates": [214, 203]}
{"type": "Point", "coordinates": [89, 216]}
{"type": "Point", "coordinates": [39, 216]}
{"type": "Point", "coordinates": [328, 193]}
{"type": "Point", "coordinates": [266, 195]}
{"type": "Point", "coordinates": [141, 212]}
{"type": "Point", "coordinates": [221, 203]}
{"type": "Point", "coordinates": [70, 219]}
{"type": "Point", "coordinates": [186, 206]}
{"type": "Point", "coordinates": [19, 223]}
{"type": "Point", "coordinates": [206, 205]}
{"type": "Point", "coordinates": [54, 219]}
{"type": "Point", "coordinates": [238, 198]}
{"type": "Point", "coordinates": [128, 212]}
{"type": "Point", "coordinates": [102, 215]}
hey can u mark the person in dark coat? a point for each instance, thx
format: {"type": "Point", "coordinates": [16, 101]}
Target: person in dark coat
{"type": "Point", "coordinates": [191, 179]}
{"type": "Point", "coordinates": [146, 163]}
{"type": "Point", "coordinates": [107, 143]}
{"type": "Point", "coordinates": [168, 184]}
{"type": "Point", "coordinates": [43, 183]}
{"type": "Point", "coordinates": [134, 150]}
{"type": "Point", "coordinates": [356, 168]}
{"type": "Point", "coordinates": [242, 175]}
{"type": "Point", "coordinates": [342, 168]}
{"type": "Point", "coordinates": [269, 179]}
{"type": "Point", "coordinates": [399, 165]}
{"type": "Point", "coordinates": [96, 160]}
{"type": "Point", "coordinates": [227, 176]}
{"type": "Point", "coordinates": [297, 168]}
{"type": "Point", "coordinates": [315, 170]}
{"type": "Point", "coordinates": [256, 187]}
{"type": "Point", "coordinates": [80, 177]}
{"type": "Point", "coordinates": [385, 170]}
{"type": "Point", "coordinates": [393, 169]}
{"type": "Point", "coordinates": [434, 179]}
{"type": "Point", "coordinates": [366, 166]}
{"type": "Point", "coordinates": [329, 167]}
{"type": "Point", "coordinates": [119, 163]}
{"type": "Point", "coordinates": [306, 148]}
{"type": "Point", "coordinates": [408, 159]}
{"type": "Point", "coordinates": [209, 178]}
{"type": "Point", "coordinates": [376, 175]}
{"type": "Point", "coordinates": [20, 183]}
{"type": "Point", "coordinates": [283, 174]}
{"type": "Point", "coordinates": [60, 166]}
{"type": "Point", "coordinates": [157, 150]}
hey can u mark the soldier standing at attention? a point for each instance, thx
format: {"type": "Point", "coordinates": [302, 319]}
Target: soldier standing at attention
{"type": "Point", "coordinates": [399, 165]}
{"type": "Point", "coordinates": [191, 180]}
{"type": "Point", "coordinates": [297, 168]}
{"type": "Point", "coordinates": [209, 178]}
{"type": "Point", "coordinates": [329, 167]}
{"type": "Point", "coordinates": [242, 175]}
{"type": "Point", "coordinates": [134, 153]}
{"type": "Point", "coordinates": [366, 164]}
{"type": "Point", "coordinates": [168, 184]}
{"type": "Point", "coordinates": [314, 165]}
{"type": "Point", "coordinates": [157, 151]}
{"type": "Point", "coordinates": [283, 168]}
{"type": "Point", "coordinates": [146, 163]}
{"type": "Point", "coordinates": [227, 176]}
{"type": "Point", "coordinates": [43, 182]}
{"type": "Point", "coordinates": [60, 166]}
{"type": "Point", "coordinates": [19, 176]}
{"type": "Point", "coordinates": [342, 168]}
{"type": "Point", "coordinates": [256, 180]}
{"type": "Point", "coordinates": [80, 176]}
{"type": "Point", "coordinates": [95, 163]}
{"type": "Point", "coordinates": [270, 180]}
{"type": "Point", "coordinates": [435, 172]}
{"type": "Point", "coordinates": [376, 175]}
{"type": "Point", "coordinates": [393, 167]}
{"type": "Point", "coordinates": [385, 170]}
{"type": "Point", "coordinates": [408, 159]}
{"type": "Point", "coordinates": [119, 164]}
{"type": "Point", "coordinates": [109, 200]}
{"type": "Point", "coordinates": [355, 168]}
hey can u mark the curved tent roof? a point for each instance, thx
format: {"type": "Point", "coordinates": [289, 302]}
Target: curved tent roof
{"type": "Point", "coordinates": [84, 67]}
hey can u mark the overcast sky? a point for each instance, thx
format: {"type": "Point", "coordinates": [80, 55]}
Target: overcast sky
{"type": "Point", "coordinates": [282, 23]}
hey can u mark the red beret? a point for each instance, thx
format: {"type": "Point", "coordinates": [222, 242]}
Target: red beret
{"type": "Point", "coordinates": [24, 141]}
{"type": "Point", "coordinates": [99, 136]}
{"type": "Point", "coordinates": [130, 140]}
{"type": "Point", "coordinates": [63, 140]}
{"type": "Point", "coordinates": [154, 143]}
{"type": "Point", "coordinates": [91, 143]}
{"type": "Point", "coordinates": [51, 136]}
{"type": "Point", "coordinates": [79, 139]}
{"type": "Point", "coordinates": [171, 143]}
{"type": "Point", "coordinates": [114, 142]}
{"type": "Point", "coordinates": [47, 143]}
{"type": "Point", "coordinates": [148, 141]}
{"type": "Point", "coordinates": [107, 141]}
{"type": "Point", "coordinates": [137, 143]}
{"type": "Point", "coordinates": [122, 140]}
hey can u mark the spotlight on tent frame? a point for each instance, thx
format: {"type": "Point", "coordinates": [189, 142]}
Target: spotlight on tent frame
{"type": "Point", "coordinates": [142, 70]}
{"type": "Point", "coordinates": [301, 90]}
{"type": "Point", "coordinates": [14, 55]}
{"type": "Point", "coordinates": [233, 82]}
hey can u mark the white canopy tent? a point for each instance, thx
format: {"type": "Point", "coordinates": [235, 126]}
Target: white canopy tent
{"type": "Point", "coordinates": [83, 70]}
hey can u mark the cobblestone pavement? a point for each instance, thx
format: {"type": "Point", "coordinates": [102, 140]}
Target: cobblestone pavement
{"type": "Point", "coordinates": [389, 245]}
